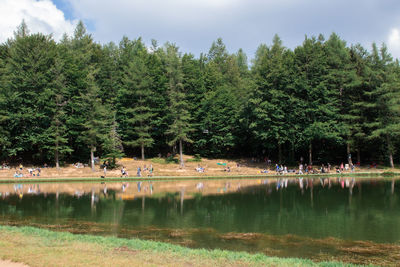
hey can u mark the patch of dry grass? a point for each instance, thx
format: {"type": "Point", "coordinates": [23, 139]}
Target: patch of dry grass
{"type": "Point", "coordinates": [38, 247]}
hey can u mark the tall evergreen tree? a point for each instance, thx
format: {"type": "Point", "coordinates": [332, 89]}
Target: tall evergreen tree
{"type": "Point", "coordinates": [270, 99]}
{"type": "Point", "coordinates": [387, 92]}
{"type": "Point", "coordinates": [180, 126]}
{"type": "Point", "coordinates": [319, 118]}
{"type": "Point", "coordinates": [27, 91]}
{"type": "Point", "coordinates": [56, 134]}
{"type": "Point", "coordinates": [342, 79]}
{"type": "Point", "coordinates": [135, 100]}
{"type": "Point", "coordinates": [97, 120]}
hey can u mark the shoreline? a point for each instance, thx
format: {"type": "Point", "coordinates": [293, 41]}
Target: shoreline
{"type": "Point", "coordinates": [67, 249]}
{"type": "Point", "coordinates": [202, 177]}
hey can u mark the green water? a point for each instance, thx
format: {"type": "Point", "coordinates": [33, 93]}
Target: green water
{"type": "Point", "coordinates": [317, 219]}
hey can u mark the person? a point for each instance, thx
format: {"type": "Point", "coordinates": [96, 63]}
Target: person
{"type": "Point", "coordinates": [301, 168]}
{"type": "Point", "coordinates": [105, 170]}
{"type": "Point", "coordinates": [124, 173]}
{"type": "Point", "coordinates": [139, 172]}
{"type": "Point", "coordinates": [322, 168]}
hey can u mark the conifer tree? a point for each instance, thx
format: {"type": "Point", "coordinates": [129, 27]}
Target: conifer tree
{"type": "Point", "coordinates": [319, 117]}
{"type": "Point", "coordinates": [341, 79]}
{"type": "Point", "coordinates": [387, 92]}
{"type": "Point", "coordinates": [56, 134]}
{"type": "Point", "coordinates": [135, 100]}
{"type": "Point", "coordinates": [270, 98]}
{"type": "Point", "coordinates": [27, 90]}
{"type": "Point", "coordinates": [97, 120]}
{"type": "Point", "coordinates": [180, 126]}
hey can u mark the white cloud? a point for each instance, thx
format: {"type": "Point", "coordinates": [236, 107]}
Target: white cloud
{"type": "Point", "coordinates": [394, 43]}
{"type": "Point", "coordinates": [40, 16]}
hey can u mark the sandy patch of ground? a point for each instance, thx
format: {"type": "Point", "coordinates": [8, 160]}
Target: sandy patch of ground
{"type": "Point", "coordinates": [6, 263]}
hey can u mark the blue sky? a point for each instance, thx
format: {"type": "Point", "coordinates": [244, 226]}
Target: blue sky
{"type": "Point", "coordinates": [194, 24]}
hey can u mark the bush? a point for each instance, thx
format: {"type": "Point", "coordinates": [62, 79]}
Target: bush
{"type": "Point", "coordinates": [164, 161]}
{"type": "Point", "coordinates": [196, 158]}
{"type": "Point", "coordinates": [171, 159]}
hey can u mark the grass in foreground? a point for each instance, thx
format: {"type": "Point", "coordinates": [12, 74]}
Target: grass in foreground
{"type": "Point", "coordinates": [39, 247]}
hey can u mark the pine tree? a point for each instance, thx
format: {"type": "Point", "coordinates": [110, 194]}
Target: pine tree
{"type": "Point", "coordinates": [270, 99]}
{"type": "Point", "coordinates": [56, 134]}
{"type": "Point", "coordinates": [27, 91]}
{"type": "Point", "coordinates": [135, 100]}
{"type": "Point", "coordinates": [180, 126]}
{"type": "Point", "coordinates": [342, 79]}
{"type": "Point", "coordinates": [97, 120]}
{"type": "Point", "coordinates": [113, 144]}
{"type": "Point", "coordinates": [387, 92]}
{"type": "Point", "coordinates": [355, 100]}
{"type": "Point", "coordinates": [4, 133]}
{"type": "Point", "coordinates": [319, 117]}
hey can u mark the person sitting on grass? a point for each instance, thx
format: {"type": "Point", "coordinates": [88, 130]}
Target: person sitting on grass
{"type": "Point", "coordinates": [200, 169]}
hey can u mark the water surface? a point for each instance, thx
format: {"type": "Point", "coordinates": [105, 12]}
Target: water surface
{"type": "Point", "coordinates": [355, 220]}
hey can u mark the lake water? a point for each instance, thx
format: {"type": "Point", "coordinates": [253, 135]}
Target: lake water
{"type": "Point", "coordinates": [353, 220]}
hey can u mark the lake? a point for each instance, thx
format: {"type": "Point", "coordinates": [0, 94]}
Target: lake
{"type": "Point", "coordinates": [348, 219]}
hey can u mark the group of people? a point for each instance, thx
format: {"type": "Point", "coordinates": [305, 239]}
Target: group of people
{"type": "Point", "coordinates": [149, 170]}
{"type": "Point", "coordinates": [31, 172]}
{"type": "Point", "coordinates": [282, 169]}
{"type": "Point", "coordinates": [200, 169]}
{"type": "Point", "coordinates": [4, 166]}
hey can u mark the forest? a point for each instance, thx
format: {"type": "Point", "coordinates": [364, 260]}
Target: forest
{"type": "Point", "coordinates": [76, 99]}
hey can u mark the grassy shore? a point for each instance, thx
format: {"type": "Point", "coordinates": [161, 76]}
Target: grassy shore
{"type": "Point", "coordinates": [172, 178]}
{"type": "Point", "coordinates": [163, 170]}
{"type": "Point", "coordinates": [39, 247]}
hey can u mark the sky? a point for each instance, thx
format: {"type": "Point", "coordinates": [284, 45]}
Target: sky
{"type": "Point", "coordinates": [194, 24]}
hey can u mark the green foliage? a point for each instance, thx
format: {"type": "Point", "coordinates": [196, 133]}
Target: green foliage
{"type": "Point", "coordinates": [196, 158]}
{"type": "Point", "coordinates": [134, 99]}
{"type": "Point", "coordinates": [62, 101]}
{"type": "Point", "coordinates": [167, 160]}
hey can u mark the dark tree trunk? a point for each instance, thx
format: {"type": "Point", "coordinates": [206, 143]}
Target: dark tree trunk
{"type": "Point", "coordinates": [142, 151]}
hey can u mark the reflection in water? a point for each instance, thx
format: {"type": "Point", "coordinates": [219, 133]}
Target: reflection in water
{"type": "Point", "coordinates": [273, 216]}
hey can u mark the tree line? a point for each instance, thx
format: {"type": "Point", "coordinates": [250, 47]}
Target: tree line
{"type": "Point", "coordinates": [76, 99]}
